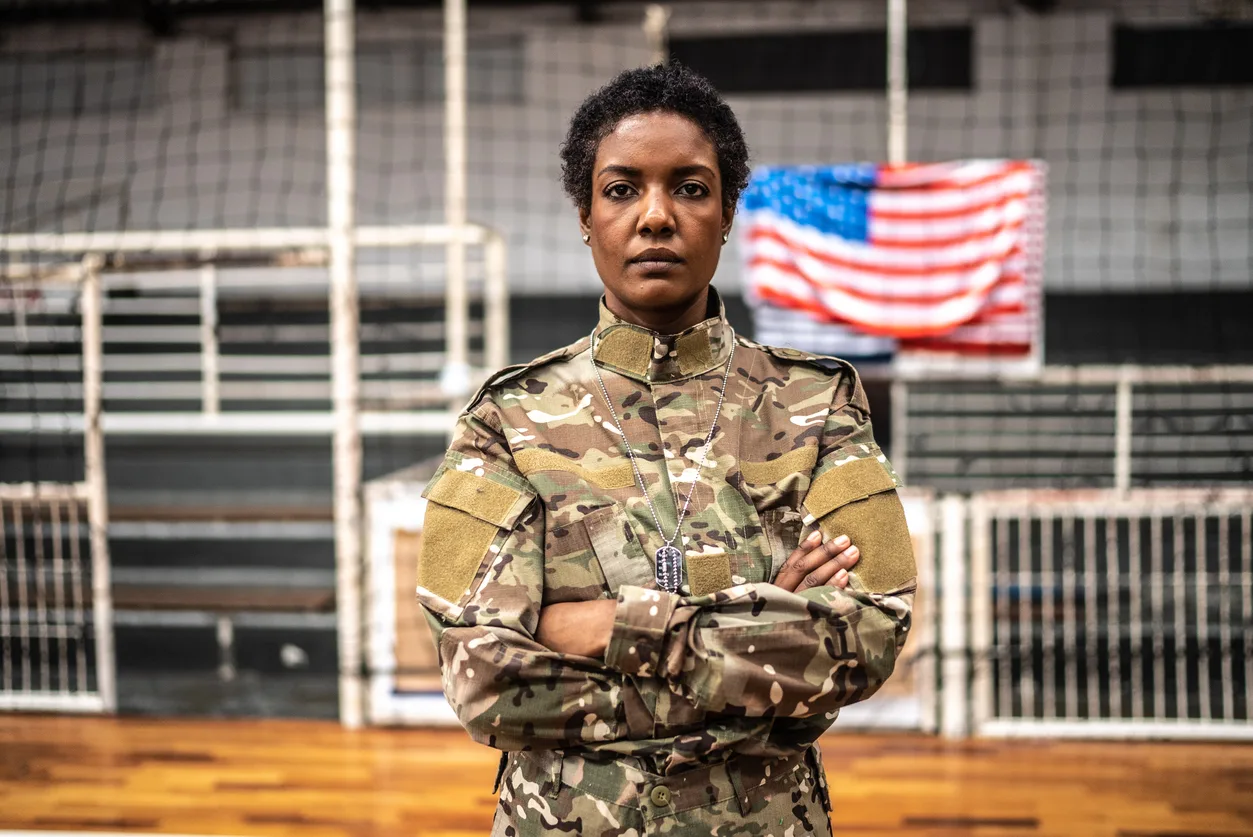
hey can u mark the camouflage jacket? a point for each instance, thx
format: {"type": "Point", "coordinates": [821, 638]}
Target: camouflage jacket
{"type": "Point", "coordinates": [536, 502]}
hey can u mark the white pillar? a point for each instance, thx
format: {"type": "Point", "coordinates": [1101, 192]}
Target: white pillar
{"type": "Point", "coordinates": [456, 374]}
{"type": "Point", "coordinates": [495, 302]}
{"type": "Point", "coordinates": [1122, 431]}
{"type": "Point", "coordinates": [898, 89]}
{"type": "Point", "coordinates": [210, 398]}
{"type": "Point", "coordinates": [97, 492]}
{"type": "Point", "coordinates": [656, 24]}
{"type": "Point", "coordinates": [341, 199]}
{"type": "Point", "coordinates": [900, 428]}
{"type": "Point", "coordinates": [954, 668]}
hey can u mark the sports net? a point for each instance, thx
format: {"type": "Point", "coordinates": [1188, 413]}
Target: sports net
{"type": "Point", "coordinates": [1142, 111]}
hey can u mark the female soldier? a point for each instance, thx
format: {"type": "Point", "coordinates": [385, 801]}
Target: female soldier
{"type": "Point", "coordinates": [636, 553]}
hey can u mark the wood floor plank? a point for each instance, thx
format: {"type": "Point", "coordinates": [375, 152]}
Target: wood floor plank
{"type": "Point", "coordinates": [315, 779]}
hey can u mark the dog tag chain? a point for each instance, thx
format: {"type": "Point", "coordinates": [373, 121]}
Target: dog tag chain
{"type": "Point", "coordinates": [669, 559]}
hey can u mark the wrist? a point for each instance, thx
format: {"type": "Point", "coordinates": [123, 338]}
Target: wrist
{"type": "Point", "coordinates": [640, 630]}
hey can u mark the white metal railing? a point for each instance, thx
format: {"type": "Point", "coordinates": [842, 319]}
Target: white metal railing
{"type": "Point", "coordinates": [206, 387]}
{"type": "Point", "coordinates": [1083, 426]}
{"type": "Point", "coordinates": [56, 630]}
{"type": "Point", "coordinates": [1105, 613]}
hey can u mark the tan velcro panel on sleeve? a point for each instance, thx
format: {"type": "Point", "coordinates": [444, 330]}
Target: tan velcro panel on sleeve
{"type": "Point", "coordinates": [858, 499]}
{"type": "Point", "coordinates": [877, 525]}
{"type": "Point", "coordinates": [465, 514]}
{"type": "Point", "coordinates": [708, 573]}
{"type": "Point", "coordinates": [845, 483]}
{"type": "Point", "coordinates": [454, 545]}
{"type": "Point", "coordinates": [485, 498]}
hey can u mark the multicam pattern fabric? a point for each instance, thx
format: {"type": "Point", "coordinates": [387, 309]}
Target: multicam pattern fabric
{"type": "Point", "coordinates": [536, 503]}
{"type": "Point", "coordinates": [550, 792]}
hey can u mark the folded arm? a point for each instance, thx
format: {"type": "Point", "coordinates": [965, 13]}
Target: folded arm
{"type": "Point", "coordinates": [480, 582]}
{"type": "Point", "coordinates": [761, 650]}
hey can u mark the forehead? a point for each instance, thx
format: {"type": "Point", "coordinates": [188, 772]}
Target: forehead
{"type": "Point", "coordinates": [656, 139]}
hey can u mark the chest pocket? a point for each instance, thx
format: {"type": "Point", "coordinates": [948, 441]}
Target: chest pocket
{"type": "Point", "coordinates": [623, 560]}
{"type": "Point", "coordinates": [618, 549]}
{"type": "Point", "coordinates": [593, 557]}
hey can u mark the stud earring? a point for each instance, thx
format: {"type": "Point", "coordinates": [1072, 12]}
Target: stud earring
{"type": "Point", "coordinates": [725, 236]}
{"type": "Point", "coordinates": [586, 238]}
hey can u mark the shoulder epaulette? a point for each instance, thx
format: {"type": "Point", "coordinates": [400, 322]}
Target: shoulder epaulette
{"type": "Point", "coordinates": [829, 363]}
{"type": "Point", "coordinates": [517, 370]}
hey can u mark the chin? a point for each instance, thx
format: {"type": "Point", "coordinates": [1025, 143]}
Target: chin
{"type": "Point", "coordinates": [662, 299]}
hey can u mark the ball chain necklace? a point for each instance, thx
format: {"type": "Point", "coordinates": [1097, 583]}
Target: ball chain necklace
{"type": "Point", "coordinates": [669, 566]}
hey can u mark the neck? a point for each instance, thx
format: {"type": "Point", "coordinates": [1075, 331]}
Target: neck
{"type": "Point", "coordinates": [665, 321]}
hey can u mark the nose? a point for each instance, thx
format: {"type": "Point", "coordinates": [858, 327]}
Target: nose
{"type": "Point", "coordinates": [656, 214]}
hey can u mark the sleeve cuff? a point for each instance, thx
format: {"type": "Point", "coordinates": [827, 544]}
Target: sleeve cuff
{"type": "Point", "coordinates": [640, 624]}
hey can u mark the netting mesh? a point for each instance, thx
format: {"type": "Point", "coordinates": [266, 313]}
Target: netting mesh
{"type": "Point", "coordinates": [1141, 109]}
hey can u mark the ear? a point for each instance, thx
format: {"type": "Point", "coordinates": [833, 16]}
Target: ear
{"type": "Point", "coordinates": [728, 217]}
{"type": "Point", "coordinates": [585, 221]}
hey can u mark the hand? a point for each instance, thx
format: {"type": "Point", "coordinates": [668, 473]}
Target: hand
{"type": "Point", "coordinates": [577, 628]}
{"type": "Point", "coordinates": [814, 563]}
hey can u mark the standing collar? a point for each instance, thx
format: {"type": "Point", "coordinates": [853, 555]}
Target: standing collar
{"type": "Point", "coordinates": [647, 356]}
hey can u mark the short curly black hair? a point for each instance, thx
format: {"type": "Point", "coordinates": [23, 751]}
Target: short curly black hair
{"type": "Point", "coordinates": [665, 87]}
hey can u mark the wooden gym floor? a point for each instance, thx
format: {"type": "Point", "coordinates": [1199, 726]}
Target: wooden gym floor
{"type": "Point", "coordinates": [309, 779]}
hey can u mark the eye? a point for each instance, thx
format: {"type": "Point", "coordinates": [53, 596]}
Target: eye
{"type": "Point", "coordinates": [618, 190]}
{"type": "Point", "coordinates": [692, 189]}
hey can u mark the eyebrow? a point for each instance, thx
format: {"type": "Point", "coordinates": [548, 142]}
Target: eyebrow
{"type": "Point", "coordinates": [681, 171]}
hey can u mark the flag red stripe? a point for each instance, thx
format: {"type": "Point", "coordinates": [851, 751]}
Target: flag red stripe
{"type": "Point", "coordinates": [946, 214]}
{"type": "Point", "coordinates": [933, 243]}
{"type": "Point", "coordinates": [821, 314]}
{"type": "Point", "coordinates": [988, 314]}
{"type": "Point", "coordinates": [958, 185]}
{"type": "Point", "coordinates": [884, 271]}
{"type": "Point", "coordinates": [968, 348]}
{"type": "Point", "coordinates": [786, 300]}
{"type": "Point", "coordinates": [887, 299]}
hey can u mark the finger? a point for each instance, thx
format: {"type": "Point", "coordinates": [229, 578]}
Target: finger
{"type": "Point", "coordinates": [841, 563]}
{"type": "Point", "coordinates": [846, 559]}
{"type": "Point", "coordinates": [841, 579]}
{"type": "Point", "coordinates": [819, 576]}
{"type": "Point", "coordinates": [795, 565]}
{"type": "Point", "coordinates": [805, 559]}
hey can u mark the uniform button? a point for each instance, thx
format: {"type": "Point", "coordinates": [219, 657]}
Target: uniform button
{"type": "Point", "coordinates": [660, 796]}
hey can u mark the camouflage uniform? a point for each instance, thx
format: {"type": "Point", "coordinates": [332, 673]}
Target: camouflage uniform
{"type": "Point", "coordinates": [703, 714]}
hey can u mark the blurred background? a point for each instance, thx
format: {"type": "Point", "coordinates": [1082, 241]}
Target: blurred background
{"type": "Point", "coordinates": [256, 254]}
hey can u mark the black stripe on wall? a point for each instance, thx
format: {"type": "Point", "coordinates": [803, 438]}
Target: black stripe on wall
{"type": "Point", "coordinates": [940, 58]}
{"type": "Point", "coordinates": [1182, 56]}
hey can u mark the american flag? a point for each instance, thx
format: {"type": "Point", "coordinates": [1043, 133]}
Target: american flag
{"type": "Point", "coordinates": [942, 258]}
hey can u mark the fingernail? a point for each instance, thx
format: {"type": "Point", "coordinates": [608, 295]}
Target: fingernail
{"type": "Point", "coordinates": [841, 576]}
{"type": "Point", "coordinates": [852, 552]}
{"type": "Point", "coordinates": [814, 536]}
{"type": "Point", "coordinates": [842, 540]}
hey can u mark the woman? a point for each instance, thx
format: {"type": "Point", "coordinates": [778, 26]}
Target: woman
{"type": "Point", "coordinates": [637, 552]}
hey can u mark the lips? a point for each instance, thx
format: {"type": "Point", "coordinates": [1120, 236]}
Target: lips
{"type": "Point", "coordinates": [656, 258]}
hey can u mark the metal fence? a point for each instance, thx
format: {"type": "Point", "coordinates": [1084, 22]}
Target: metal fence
{"type": "Point", "coordinates": [56, 629]}
{"type": "Point", "coordinates": [1122, 614]}
{"type": "Point", "coordinates": [1077, 427]}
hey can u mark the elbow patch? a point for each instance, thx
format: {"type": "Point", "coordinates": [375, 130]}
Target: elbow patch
{"type": "Point", "coordinates": [466, 511]}
{"type": "Point", "coordinates": [859, 499]}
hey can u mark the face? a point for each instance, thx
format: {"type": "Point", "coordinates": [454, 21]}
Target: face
{"type": "Point", "coordinates": [656, 220]}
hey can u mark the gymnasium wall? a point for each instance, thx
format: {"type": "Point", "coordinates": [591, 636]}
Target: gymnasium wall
{"type": "Point", "coordinates": [220, 126]}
